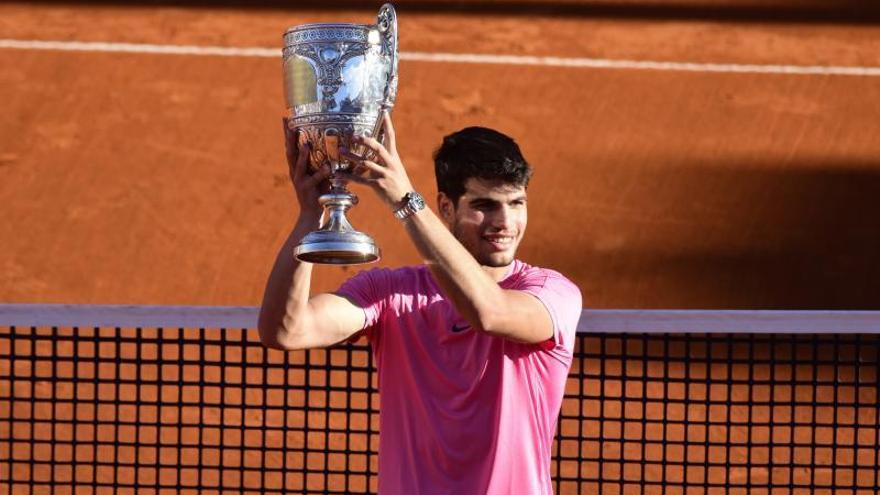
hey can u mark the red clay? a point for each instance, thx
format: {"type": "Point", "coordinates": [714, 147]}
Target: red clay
{"type": "Point", "coordinates": [151, 179]}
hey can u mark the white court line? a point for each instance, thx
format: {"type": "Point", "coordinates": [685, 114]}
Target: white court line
{"type": "Point", "coordinates": [467, 58]}
{"type": "Point", "coordinates": [591, 321]}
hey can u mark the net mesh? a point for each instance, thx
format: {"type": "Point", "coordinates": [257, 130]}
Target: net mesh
{"type": "Point", "coordinates": [181, 410]}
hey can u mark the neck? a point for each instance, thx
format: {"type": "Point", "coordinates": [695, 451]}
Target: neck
{"type": "Point", "coordinates": [497, 272]}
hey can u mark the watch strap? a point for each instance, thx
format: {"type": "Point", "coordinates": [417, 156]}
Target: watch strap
{"type": "Point", "coordinates": [412, 202]}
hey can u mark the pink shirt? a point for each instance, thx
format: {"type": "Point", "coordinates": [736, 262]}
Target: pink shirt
{"type": "Point", "coordinates": [463, 412]}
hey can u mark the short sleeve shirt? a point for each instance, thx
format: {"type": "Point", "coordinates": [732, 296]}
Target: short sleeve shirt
{"type": "Point", "coordinates": [464, 412]}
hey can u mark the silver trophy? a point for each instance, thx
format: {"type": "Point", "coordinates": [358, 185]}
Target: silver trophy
{"type": "Point", "coordinates": [339, 81]}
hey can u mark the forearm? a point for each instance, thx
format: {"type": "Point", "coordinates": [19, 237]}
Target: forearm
{"type": "Point", "coordinates": [476, 296]}
{"type": "Point", "coordinates": [511, 314]}
{"type": "Point", "coordinates": [287, 292]}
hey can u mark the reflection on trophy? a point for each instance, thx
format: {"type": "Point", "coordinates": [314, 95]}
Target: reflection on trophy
{"type": "Point", "coordinates": [339, 81]}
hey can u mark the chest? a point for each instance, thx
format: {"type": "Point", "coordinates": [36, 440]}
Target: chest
{"type": "Point", "coordinates": [433, 335]}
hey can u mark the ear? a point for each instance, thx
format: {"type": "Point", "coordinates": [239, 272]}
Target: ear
{"type": "Point", "coordinates": [446, 208]}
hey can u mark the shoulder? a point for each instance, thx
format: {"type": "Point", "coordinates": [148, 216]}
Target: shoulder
{"type": "Point", "coordinates": [534, 277]}
{"type": "Point", "coordinates": [383, 279]}
{"type": "Point", "coordinates": [560, 296]}
{"type": "Point", "coordinates": [380, 290]}
{"type": "Point", "coordinates": [401, 274]}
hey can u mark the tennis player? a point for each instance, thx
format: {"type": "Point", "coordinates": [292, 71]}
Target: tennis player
{"type": "Point", "coordinates": [473, 347]}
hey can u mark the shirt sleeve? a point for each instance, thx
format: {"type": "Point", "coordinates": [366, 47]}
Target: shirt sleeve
{"type": "Point", "coordinates": [369, 291]}
{"type": "Point", "coordinates": [563, 301]}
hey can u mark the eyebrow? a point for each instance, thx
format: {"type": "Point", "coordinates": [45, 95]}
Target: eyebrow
{"type": "Point", "coordinates": [485, 200]}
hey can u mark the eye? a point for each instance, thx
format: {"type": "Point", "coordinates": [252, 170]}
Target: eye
{"type": "Point", "coordinates": [483, 205]}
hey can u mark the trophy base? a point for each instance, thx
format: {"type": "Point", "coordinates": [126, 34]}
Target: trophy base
{"type": "Point", "coordinates": [337, 248]}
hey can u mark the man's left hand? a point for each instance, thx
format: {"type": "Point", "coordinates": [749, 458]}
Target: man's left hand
{"type": "Point", "coordinates": [385, 172]}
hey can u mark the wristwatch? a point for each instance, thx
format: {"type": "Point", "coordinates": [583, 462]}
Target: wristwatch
{"type": "Point", "coordinates": [410, 204]}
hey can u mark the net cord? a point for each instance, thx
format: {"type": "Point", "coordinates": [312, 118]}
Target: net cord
{"type": "Point", "coordinates": [591, 321]}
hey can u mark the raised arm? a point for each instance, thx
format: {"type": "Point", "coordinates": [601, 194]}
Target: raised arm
{"type": "Point", "coordinates": [511, 314]}
{"type": "Point", "coordinates": [290, 318]}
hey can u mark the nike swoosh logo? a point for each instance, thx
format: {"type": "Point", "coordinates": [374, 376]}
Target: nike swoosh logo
{"type": "Point", "coordinates": [457, 329]}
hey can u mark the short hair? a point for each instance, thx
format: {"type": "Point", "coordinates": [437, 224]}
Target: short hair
{"type": "Point", "coordinates": [482, 153]}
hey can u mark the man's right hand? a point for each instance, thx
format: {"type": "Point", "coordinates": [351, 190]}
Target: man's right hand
{"type": "Point", "coordinates": [308, 185]}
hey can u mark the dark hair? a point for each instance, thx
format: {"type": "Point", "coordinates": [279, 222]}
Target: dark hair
{"type": "Point", "coordinates": [482, 153]}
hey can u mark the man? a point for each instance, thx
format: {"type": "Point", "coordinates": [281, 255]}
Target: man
{"type": "Point", "coordinates": [472, 349]}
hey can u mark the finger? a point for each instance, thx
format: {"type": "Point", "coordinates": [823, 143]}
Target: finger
{"type": "Point", "coordinates": [390, 136]}
{"type": "Point", "coordinates": [374, 168]}
{"type": "Point", "coordinates": [292, 147]}
{"type": "Point", "coordinates": [376, 147]}
{"type": "Point", "coordinates": [324, 186]}
{"type": "Point", "coordinates": [321, 175]}
{"type": "Point", "coordinates": [366, 153]}
{"type": "Point", "coordinates": [350, 155]}
{"type": "Point", "coordinates": [362, 163]}
{"type": "Point", "coordinates": [300, 170]}
{"type": "Point", "coordinates": [301, 163]}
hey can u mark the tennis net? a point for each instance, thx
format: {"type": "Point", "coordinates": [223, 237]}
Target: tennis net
{"type": "Point", "coordinates": [187, 400]}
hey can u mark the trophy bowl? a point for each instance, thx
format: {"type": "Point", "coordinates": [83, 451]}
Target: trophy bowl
{"type": "Point", "coordinates": [339, 81]}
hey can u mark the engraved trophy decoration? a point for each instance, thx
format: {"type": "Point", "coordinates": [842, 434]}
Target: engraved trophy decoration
{"type": "Point", "coordinates": [339, 81]}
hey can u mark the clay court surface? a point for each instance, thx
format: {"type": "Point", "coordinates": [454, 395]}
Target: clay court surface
{"type": "Point", "coordinates": [159, 179]}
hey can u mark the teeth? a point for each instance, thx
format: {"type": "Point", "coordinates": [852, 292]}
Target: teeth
{"type": "Point", "coordinates": [500, 240]}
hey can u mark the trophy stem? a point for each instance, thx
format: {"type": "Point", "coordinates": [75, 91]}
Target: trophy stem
{"type": "Point", "coordinates": [338, 186]}
{"type": "Point", "coordinates": [337, 242]}
{"type": "Point", "coordinates": [335, 204]}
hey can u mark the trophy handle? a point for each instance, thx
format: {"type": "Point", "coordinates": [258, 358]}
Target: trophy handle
{"type": "Point", "coordinates": [387, 25]}
{"type": "Point", "coordinates": [386, 22]}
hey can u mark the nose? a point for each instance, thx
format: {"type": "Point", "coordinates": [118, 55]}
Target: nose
{"type": "Point", "coordinates": [503, 218]}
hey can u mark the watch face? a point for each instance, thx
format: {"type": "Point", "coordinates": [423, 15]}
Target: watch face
{"type": "Point", "coordinates": [412, 203]}
{"type": "Point", "coordinates": [417, 200]}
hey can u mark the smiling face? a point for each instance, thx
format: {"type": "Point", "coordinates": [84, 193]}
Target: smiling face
{"type": "Point", "coordinates": [489, 220]}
